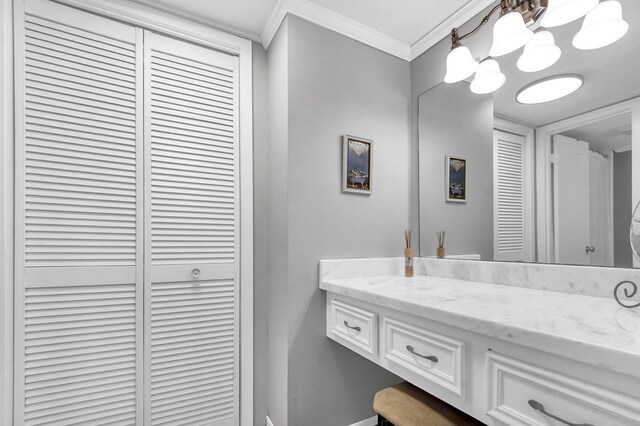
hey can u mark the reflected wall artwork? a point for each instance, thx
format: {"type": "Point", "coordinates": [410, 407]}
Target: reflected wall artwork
{"type": "Point", "coordinates": [356, 160]}
{"type": "Point", "coordinates": [456, 179]}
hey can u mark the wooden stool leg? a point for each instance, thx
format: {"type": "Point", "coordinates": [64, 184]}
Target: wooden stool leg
{"type": "Point", "coordinates": [383, 422]}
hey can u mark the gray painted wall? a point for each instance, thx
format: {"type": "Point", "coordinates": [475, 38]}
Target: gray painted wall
{"type": "Point", "coordinates": [260, 265]}
{"type": "Point", "coordinates": [337, 86]}
{"type": "Point", "coordinates": [427, 71]}
{"type": "Point", "coordinates": [454, 121]}
{"type": "Point", "coordinates": [330, 85]}
{"type": "Point", "coordinates": [277, 212]}
{"type": "Point", "coordinates": [622, 209]}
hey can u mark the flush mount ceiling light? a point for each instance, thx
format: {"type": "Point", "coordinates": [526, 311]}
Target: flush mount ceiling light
{"type": "Point", "coordinates": [603, 25]}
{"type": "Point", "coordinates": [549, 89]}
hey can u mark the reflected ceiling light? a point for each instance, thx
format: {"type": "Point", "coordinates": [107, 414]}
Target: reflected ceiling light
{"type": "Point", "coordinates": [601, 27]}
{"type": "Point", "coordinates": [460, 64]}
{"type": "Point", "coordinates": [560, 12]}
{"type": "Point", "coordinates": [540, 53]}
{"type": "Point", "coordinates": [549, 89]}
{"type": "Point", "coordinates": [509, 34]}
{"type": "Point", "coordinates": [488, 78]}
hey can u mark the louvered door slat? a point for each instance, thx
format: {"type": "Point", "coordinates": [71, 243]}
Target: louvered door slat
{"type": "Point", "coordinates": [509, 196]}
{"type": "Point", "coordinates": [191, 298]}
{"type": "Point", "coordinates": [64, 347]}
{"type": "Point", "coordinates": [78, 228]}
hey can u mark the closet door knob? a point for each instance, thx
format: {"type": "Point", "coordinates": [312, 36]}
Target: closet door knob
{"type": "Point", "coordinates": [195, 273]}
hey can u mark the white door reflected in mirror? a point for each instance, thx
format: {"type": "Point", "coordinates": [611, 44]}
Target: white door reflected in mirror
{"type": "Point", "coordinates": [571, 200]}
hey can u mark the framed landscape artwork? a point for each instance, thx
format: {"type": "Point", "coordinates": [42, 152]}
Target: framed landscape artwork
{"type": "Point", "coordinates": [356, 161]}
{"type": "Point", "coordinates": [456, 179]}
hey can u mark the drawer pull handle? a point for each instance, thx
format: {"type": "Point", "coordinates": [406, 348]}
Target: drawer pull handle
{"type": "Point", "coordinates": [430, 357]}
{"type": "Point", "coordinates": [539, 407]}
{"type": "Point", "coordinates": [195, 273]}
{"type": "Point", "coordinates": [358, 329]}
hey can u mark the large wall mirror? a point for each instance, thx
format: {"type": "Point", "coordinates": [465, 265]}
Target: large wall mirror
{"type": "Point", "coordinates": [555, 182]}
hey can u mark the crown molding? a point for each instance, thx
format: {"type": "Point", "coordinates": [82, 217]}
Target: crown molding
{"type": "Point", "coordinates": [441, 31]}
{"type": "Point", "coordinates": [334, 21]}
{"type": "Point", "coordinates": [276, 17]}
{"type": "Point", "coordinates": [339, 23]}
{"type": "Point", "coordinates": [199, 20]}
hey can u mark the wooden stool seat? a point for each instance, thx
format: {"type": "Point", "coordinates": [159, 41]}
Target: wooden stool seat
{"type": "Point", "coordinates": [406, 405]}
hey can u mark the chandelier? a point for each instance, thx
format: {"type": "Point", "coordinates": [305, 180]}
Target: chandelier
{"type": "Point", "coordinates": [602, 26]}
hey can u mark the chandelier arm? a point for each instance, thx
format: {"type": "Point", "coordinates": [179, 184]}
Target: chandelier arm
{"type": "Point", "coordinates": [455, 38]}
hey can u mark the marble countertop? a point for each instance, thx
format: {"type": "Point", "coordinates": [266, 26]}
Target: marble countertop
{"type": "Point", "coordinates": [591, 329]}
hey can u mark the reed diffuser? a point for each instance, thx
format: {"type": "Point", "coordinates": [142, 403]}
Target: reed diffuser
{"type": "Point", "coordinates": [440, 251]}
{"type": "Point", "coordinates": [408, 255]}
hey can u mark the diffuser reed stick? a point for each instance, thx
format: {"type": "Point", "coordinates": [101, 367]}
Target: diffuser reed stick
{"type": "Point", "coordinates": [408, 254]}
{"type": "Point", "coordinates": [441, 236]}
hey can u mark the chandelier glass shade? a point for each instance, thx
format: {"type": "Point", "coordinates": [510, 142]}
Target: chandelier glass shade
{"type": "Point", "coordinates": [603, 25]}
{"type": "Point", "coordinates": [562, 12]}
{"type": "Point", "coordinates": [488, 78]}
{"type": "Point", "coordinates": [540, 53]}
{"type": "Point", "coordinates": [460, 65]}
{"type": "Point", "coordinates": [509, 34]}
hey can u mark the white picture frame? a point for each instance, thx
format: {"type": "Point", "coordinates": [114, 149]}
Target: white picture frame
{"type": "Point", "coordinates": [455, 183]}
{"type": "Point", "coordinates": [356, 164]}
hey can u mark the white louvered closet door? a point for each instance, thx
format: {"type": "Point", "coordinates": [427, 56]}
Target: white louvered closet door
{"type": "Point", "coordinates": [78, 218]}
{"type": "Point", "coordinates": [509, 200]}
{"type": "Point", "coordinates": [191, 303]}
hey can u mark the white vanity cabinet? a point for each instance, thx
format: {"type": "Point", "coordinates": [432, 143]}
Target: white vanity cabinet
{"type": "Point", "coordinates": [354, 327]}
{"type": "Point", "coordinates": [498, 382]}
{"type": "Point", "coordinates": [525, 394]}
{"type": "Point", "coordinates": [421, 355]}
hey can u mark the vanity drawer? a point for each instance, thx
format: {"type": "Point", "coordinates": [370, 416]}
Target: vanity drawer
{"type": "Point", "coordinates": [422, 356]}
{"type": "Point", "coordinates": [522, 394]}
{"type": "Point", "coordinates": [354, 327]}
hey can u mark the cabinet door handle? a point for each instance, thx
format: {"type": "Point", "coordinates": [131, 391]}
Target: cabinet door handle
{"type": "Point", "coordinates": [539, 407]}
{"type": "Point", "coordinates": [346, 324]}
{"type": "Point", "coordinates": [195, 273]}
{"type": "Point", "coordinates": [430, 357]}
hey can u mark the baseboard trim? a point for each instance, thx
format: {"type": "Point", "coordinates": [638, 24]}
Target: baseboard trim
{"type": "Point", "coordinates": [371, 421]}
{"type": "Point", "coordinates": [268, 421]}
